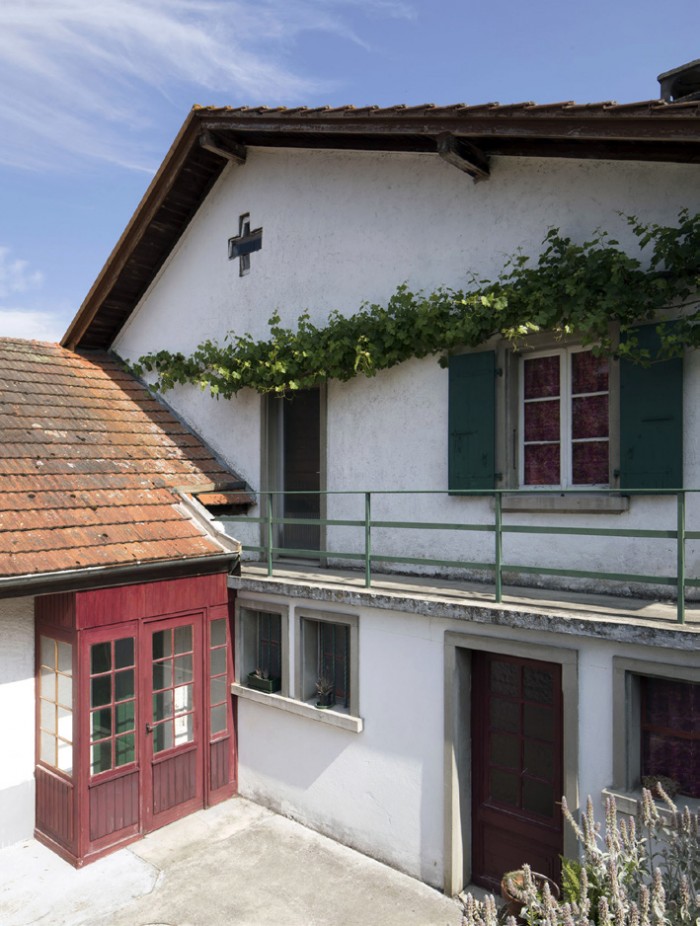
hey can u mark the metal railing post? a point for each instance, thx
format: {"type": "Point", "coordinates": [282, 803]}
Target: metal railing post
{"type": "Point", "coordinates": [269, 533]}
{"type": "Point", "coordinates": [368, 539]}
{"type": "Point", "coordinates": [499, 547]}
{"type": "Point", "coordinates": [680, 541]}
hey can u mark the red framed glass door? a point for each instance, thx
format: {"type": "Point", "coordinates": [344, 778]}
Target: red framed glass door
{"type": "Point", "coordinates": [173, 711]}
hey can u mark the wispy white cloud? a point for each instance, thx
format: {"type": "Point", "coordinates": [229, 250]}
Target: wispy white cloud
{"type": "Point", "coordinates": [16, 275]}
{"type": "Point", "coordinates": [79, 75]}
{"type": "Point", "coordinates": [34, 325]}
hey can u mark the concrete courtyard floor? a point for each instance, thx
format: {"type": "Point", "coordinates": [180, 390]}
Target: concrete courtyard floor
{"type": "Point", "coordinates": [237, 864]}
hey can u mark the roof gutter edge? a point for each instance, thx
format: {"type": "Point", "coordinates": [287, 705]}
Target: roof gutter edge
{"type": "Point", "coordinates": [106, 577]}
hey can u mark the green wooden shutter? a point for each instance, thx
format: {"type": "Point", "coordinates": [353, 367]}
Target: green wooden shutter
{"type": "Point", "coordinates": [651, 420]}
{"type": "Point", "coordinates": [472, 421]}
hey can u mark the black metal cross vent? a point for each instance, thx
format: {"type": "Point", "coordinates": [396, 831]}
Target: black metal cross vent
{"type": "Point", "coordinates": [244, 245]}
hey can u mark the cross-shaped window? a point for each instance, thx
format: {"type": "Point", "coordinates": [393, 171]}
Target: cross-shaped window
{"type": "Point", "coordinates": [244, 245]}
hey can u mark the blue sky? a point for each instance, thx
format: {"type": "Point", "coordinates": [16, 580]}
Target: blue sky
{"type": "Point", "coordinates": [94, 91]}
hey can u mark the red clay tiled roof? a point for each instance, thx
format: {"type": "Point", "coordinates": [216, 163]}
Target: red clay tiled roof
{"type": "Point", "coordinates": [89, 466]}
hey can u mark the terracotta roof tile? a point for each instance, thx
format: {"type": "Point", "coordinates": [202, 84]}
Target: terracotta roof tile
{"type": "Point", "coordinates": [90, 465]}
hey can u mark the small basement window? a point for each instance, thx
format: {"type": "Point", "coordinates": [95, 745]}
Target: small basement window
{"type": "Point", "coordinates": [670, 732]}
{"type": "Point", "coordinates": [262, 647]}
{"type": "Point", "coordinates": [329, 652]}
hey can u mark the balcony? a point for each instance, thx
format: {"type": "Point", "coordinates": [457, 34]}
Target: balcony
{"type": "Point", "coordinates": [603, 551]}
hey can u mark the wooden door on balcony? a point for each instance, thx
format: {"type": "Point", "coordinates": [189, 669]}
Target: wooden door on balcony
{"type": "Point", "coordinates": [517, 767]}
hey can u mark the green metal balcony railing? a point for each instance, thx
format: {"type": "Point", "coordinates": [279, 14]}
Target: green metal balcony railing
{"type": "Point", "coordinates": [272, 522]}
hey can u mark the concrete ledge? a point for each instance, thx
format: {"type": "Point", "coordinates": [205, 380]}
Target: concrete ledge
{"type": "Point", "coordinates": [629, 802]}
{"type": "Point", "coordinates": [281, 703]}
{"type": "Point", "coordinates": [567, 504]}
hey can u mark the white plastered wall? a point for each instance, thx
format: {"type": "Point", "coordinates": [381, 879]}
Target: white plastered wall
{"type": "Point", "coordinates": [341, 228]}
{"type": "Point", "coordinates": [384, 790]}
{"type": "Point", "coordinates": [17, 719]}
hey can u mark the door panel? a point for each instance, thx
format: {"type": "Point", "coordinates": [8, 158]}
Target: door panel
{"type": "Point", "coordinates": [516, 724]}
{"type": "Point", "coordinates": [172, 685]}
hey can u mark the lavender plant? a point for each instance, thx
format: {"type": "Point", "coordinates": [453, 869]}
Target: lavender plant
{"type": "Point", "coordinates": [636, 872]}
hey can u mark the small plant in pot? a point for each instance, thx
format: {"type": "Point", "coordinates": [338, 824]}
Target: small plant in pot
{"type": "Point", "coordinates": [517, 887]}
{"type": "Point", "coordinates": [325, 692]}
{"type": "Point", "coordinates": [261, 680]}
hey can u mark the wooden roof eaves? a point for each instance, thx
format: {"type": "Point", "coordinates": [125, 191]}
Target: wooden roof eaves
{"type": "Point", "coordinates": [649, 124]}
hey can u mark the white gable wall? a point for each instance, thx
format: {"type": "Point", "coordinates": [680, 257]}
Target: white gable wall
{"type": "Point", "coordinates": [341, 228]}
{"type": "Point", "coordinates": [17, 706]}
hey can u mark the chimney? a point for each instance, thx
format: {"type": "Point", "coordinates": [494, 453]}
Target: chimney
{"type": "Point", "coordinates": [681, 84]}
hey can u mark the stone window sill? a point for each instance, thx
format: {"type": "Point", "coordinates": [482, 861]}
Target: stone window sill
{"type": "Point", "coordinates": [568, 504]}
{"type": "Point", "coordinates": [331, 717]}
{"type": "Point", "coordinates": [628, 802]}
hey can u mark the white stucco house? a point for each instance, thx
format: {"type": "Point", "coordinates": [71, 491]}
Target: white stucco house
{"type": "Point", "coordinates": [463, 710]}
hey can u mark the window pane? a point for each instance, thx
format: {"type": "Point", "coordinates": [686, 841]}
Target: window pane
{"type": "Point", "coordinates": [538, 722]}
{"type": "Point", "coordinates": [538, 798]}
{"type": "Point", "coordinates": [505, 678]}
{"type": "Point", "coordinates": [162, 644]}
{"type": "Point", "coordinates": [48, 652]}
{"type": "Point", "coordinates": [183, 670]}
{"type": "Point", "coordinates": [505, 715]}
{"type": "Point", "coordinates": [217, 690]}
{"type": "Point", "coordinates": [163, 736]}
{"type": "Point", "coordinates": [48, 716]}
{"type": "Point", "coordinates": [65, 757]}
{"type": "Point", "coordinates": [65, 658]}
{"type": "Point", "coordinates": [218, 661]}
{"type": "Point", "coordinates": [542, 465]}
{"type": "Point", "coordinates": [162, 675]}
{"type": "Point", "coordinates": [101, 723]}
{"type": "Point", "coordinates": [124, 684]}
{"type": "Point", "coordinates": [183, 699]}
{"type": "Point", "coordinates": [65, 690]}
{"type": "Point", "coordinates": [542, 421]}
{"type": "Point", "coordinates": [504, 787]}
{"type": "Point", "coordinates": [589, 416]}
{"type": "Point", "coordinates": [101, 691]}
{"type": "Point", "coordinates": [47, 748]}
{"type": "Point", "coordinates": [218, 719]}
{"type": "Point", "coordinates": [537, 685]}
{"type": "Point", "coordinates": [124, 716]}
{"type": "Point", "coordinates": [505, 750]}
{"type": "Point", "coordinates": [100, 658]}
{"type": "Point", "coordinates": [539, 759]}
{"type": "Point", "coordinates": [124, 653]}
{"type": "Point", "coordinates": [124, 750]}
{"type": "Point", "coordinates": [184, 729]}
{"type": "Point", "coordinates": [588, 373]}
{"type": "Point", "coordinates": [218, 632]}
{"type": "Point", "coordinates": [541, 375]}
{"type": "Point", "coordinates": [65, 724]}
{"type": "Point", "coordinates": [47, 683]}
{"type": "Point", "coordinates": [101, 757]}
{"type": "Point", "coordinates": [590, 465]}
{"type": "Point", "coordinates": [162, 705]}
{"type": "Point", "coordinates": [183, 639]}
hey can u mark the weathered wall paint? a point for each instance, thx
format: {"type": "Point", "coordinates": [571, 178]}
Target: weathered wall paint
{"type": "Point", "coordinates": [17, 713]}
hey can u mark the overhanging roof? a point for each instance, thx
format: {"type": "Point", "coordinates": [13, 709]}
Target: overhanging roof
{"type": "Point", "coordinates": [466, 136]}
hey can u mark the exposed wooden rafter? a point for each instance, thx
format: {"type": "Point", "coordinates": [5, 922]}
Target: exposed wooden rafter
{"type": "Point", "coordinates": [224, 147]}
{"type": "Point", "coordinates": [464, 156]}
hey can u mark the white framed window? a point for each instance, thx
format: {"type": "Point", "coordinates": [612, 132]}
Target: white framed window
{"type": "Point", "coordinates": [327, 649]}
{"type": "Point", "coordinates": [262, 633]}
{"type": "Point", "coordinates": [564, 419]}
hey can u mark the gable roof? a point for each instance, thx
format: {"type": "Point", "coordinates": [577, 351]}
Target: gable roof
{"type": "Point", "coordinates": [96, 475]}
{"type": "Point", "coordinates": [466, 136]}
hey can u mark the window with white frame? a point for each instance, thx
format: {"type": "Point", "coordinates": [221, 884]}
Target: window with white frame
{"type": "Point", "coordinates": [564, 419]}
{"type": "Point", "coordinates": [657, 725]}
{"type": "Point", "coordinates": [262, 646]}
{"type": "Point", "coordinates": [327, 654]}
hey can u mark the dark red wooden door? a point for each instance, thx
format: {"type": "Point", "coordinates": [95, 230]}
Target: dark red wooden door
{"type": "Point", "coordinates": [173, 710]}
{"type": "Point", "coordinates": [516, 766]}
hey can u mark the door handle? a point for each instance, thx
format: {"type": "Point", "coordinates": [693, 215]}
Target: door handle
{"type": "Point", "coordinates": [149, 728]}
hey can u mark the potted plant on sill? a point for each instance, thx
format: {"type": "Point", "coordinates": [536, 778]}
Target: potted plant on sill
{"type": "Point", "coordinates": [515, 884]}
{"type": "Point", "coordinates": [260, 680]}
{"type": "Point", "coordinates": [325, 692]}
